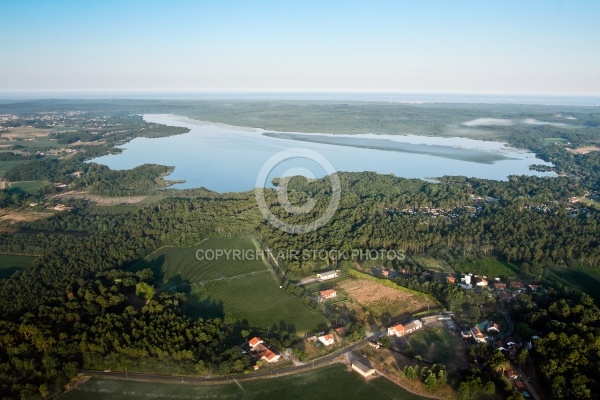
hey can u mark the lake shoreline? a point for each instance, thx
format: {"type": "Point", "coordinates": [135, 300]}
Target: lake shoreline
{"type": "Point", "coordinates": [226, 158]}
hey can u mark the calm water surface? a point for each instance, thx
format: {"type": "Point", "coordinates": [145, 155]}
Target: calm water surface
{"type": "Point", "coordinates": [226, 158]}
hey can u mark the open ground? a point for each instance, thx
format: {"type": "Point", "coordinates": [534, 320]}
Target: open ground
{"type": "Point", "coordinates": [383, 302]}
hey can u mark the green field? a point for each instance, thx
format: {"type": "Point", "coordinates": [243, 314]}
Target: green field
{"type": "Point", "coordinates": [331, 383]}
{"type": "Point", "coordinates": [6, 165]}
{"type": "Point", "coordinates": [431, 264]}
{"type": "Point", "coordinates": [489, 267]}
{"type": "Point", "coordinates": [436, 344]}
{"type": "Point", "coordinates": [241, 291]}
{"type": "Point", "coordinates": [580, 279]}
{"type": "Point", "coordinates": [27, 186]}
{"type": "Point", "coordinates": [10, 264]}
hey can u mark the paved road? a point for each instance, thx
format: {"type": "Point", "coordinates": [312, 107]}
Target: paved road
{"type": "Point", "coordinates": [530, 388]}
{"type": "Point", "coordinates": [239, 377]}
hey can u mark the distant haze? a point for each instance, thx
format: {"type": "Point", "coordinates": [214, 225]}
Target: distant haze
{"type": "Point", "coordinates": [490, 47]}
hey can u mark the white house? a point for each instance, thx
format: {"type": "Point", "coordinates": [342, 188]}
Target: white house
{"type": "Point", "coordinates": [327, 275]}
{"type": "Point", "coordinates": [327, 340]}
{"type": "Point", "coordinates": [466, 280]}
{"type": "Point", "coordinates": [397, 330]}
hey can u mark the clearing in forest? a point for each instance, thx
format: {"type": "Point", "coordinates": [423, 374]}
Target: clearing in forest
{"type": "Point", "coordinates": [383, 302]}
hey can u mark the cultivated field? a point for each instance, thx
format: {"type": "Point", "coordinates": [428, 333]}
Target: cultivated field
{"type": "Point", "coordinates": [9, 264]}
{"type": "Point", "coordinates": [489, 267]}
{"type": "Point", "coordinates": [240, 291]}
{"type": "Point", "coordinates": [384, 302]}
{"type": "Point", "coordinates": [333, 382]}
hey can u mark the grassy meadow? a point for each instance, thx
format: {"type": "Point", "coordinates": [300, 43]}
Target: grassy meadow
{"type": "Point", "coordinates": [27, 186]}
{"type": "Point", "coordinates": [489, 267]}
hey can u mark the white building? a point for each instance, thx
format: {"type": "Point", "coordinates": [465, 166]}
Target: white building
{"type": "Point", "coordinates": [327, 275]}
{"type": "Point", "coordinates": [363, 369]}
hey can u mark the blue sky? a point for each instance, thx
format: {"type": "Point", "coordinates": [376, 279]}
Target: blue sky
{"type": "Point", "coordinates": [513, 47]}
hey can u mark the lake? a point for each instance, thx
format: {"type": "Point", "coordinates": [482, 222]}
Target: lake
{"type": "Point", "coordinates": [225, 158]}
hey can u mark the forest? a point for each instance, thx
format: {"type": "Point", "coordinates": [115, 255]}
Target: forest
{"type": "Point", "coordinates": [79, 306]}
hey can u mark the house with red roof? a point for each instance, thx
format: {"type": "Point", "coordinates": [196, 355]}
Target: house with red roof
{"type": "Point", "coordinates": [516, 285]}
{"type": "Point", "coordinates": [397, 330]}
{"type": "Point", "coordinates": [327, 294]}
{"type": "Point", "coordinates": [255, 341]}
{"type": "Point", "coordinates": [261, 351]}
{"type": "Point", "coordinates": [327, 340]}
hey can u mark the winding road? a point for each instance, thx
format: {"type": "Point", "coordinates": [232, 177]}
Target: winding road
{"type": "Point", "coordinates": [136, 376]}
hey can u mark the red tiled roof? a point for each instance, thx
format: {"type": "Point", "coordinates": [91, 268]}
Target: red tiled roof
{"type": "Point", "coordinates": [254, 341]}
{"type": "Point", "coordinates": [328, 337]}
{"type": "Point", "coordinates": [268, 354]}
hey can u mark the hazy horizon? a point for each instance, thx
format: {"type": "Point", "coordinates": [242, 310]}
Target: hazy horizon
{"type": "Point", "coordinates": [383, 97]}
{"type": "Point", "coordinates": [488, 47]}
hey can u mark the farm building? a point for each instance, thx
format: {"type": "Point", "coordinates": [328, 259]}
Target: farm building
{"type": "Point", "coordinates": [413, 326]}
{"type": "Point", "coordinates": [397, 330]}
{"type": "Point", "coordinates": [362, 368]}
{"type": "Point", "coordinates": [327, 294]}
{"type": "Point", "coordinates": [327, 340]}
{"type": "Point", "coordinates": [261, 352]}
{"type": "Point", "coordinates": [327, 275]}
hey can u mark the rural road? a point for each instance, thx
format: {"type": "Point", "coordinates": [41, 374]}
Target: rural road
{"type": "Point", "coordinates": [199, 379]}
